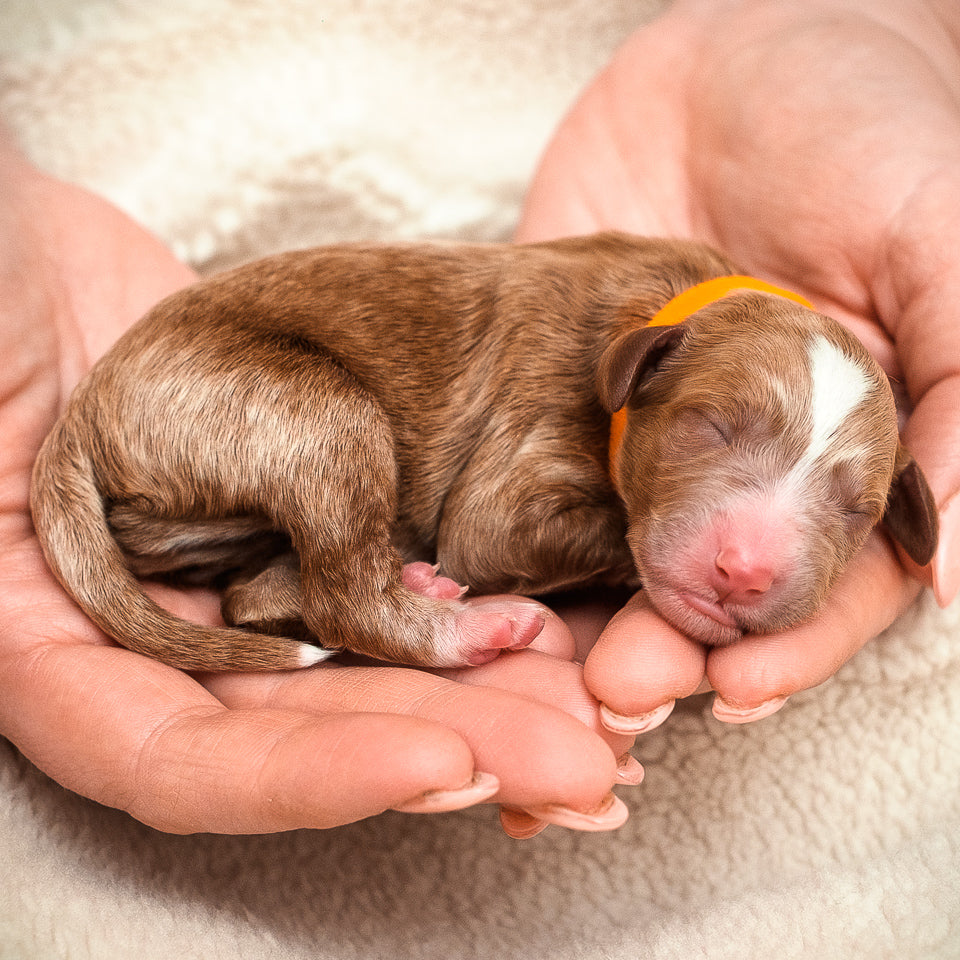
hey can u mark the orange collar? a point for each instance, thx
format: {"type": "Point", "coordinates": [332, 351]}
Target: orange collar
{"type": "Point", "coordinates": [682, 306]}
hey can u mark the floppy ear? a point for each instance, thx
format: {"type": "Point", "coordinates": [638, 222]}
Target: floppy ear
{"type": "Point", "coordinates": [629, 360]}
{"type": "Point", "coordinates": [911, 513]}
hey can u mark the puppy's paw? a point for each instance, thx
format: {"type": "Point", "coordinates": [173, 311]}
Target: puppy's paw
{"type": "Point", "coordinates": [489, 625]}
{"type": "Point", "coordinates": [269, 602]}
{"type": "Point", "coordinates": [422, 578]}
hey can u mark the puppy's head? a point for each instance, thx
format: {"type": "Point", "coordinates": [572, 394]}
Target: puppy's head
{"type": "Point", "coordinates": [759, 451]}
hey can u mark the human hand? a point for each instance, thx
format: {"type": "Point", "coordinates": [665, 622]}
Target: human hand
{"type": "Point", "coordinates": [228, 753]}
{"type": "Point", "coordinates": [817, 143]}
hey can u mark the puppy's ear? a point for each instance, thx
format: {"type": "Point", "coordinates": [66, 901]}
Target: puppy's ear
{"type": "Point", "coordinates": [911, 513]}
{"type": "Point", "coordinates": [630, 360]}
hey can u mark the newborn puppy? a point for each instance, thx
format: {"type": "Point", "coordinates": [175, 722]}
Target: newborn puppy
{"type": "Point", "coordinates": [294, 430]}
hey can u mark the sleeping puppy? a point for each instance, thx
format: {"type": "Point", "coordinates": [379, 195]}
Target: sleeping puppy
{"type": "Point", "coordinates": [305, 431]}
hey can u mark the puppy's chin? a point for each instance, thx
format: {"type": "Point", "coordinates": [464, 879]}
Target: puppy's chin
{"type": "Point", "coordinates": [701, 620]}
{"type": "Point", "coordinates": [711, 624]}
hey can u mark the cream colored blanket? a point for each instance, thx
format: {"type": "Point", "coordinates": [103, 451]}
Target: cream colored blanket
{"type": "Point", "coordinates": [236, 127]}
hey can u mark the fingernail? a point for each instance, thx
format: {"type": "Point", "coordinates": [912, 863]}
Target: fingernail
{"type": "Point", "coordinates": [731, 714]}
{"type": "Point", "coordinates": [644, 722]}
{"type": "Point", "coordinates": [519, 825]}
{"type": "Point", "coordinates": [481, 787]}
{"type": "Point", "coordinates": [610, 814]}
{"type": "Point", "coordinates": [629, 770]}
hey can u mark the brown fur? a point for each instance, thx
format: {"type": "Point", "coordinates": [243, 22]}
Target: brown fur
{"type": "Point", "coordinates": [295, 429]}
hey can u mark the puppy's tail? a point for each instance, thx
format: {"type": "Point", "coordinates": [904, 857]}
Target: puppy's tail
{"type": "Point", "coordinates": [70, 521]}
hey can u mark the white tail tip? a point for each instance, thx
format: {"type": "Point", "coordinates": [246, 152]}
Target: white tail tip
{"type": "Point", "coordinates": [310, 655]}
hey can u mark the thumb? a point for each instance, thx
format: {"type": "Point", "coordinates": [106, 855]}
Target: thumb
{"type": "Point", "coordinates": [916, 293]}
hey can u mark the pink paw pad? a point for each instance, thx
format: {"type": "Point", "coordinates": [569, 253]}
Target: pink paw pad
{"type": "Point", "coordinates": [422, 578]}
{"type": "Point", "coordinates": [490, 625]}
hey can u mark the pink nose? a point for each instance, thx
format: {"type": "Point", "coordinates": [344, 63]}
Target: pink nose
{"type": "Point", "coordinates": [740, 576]}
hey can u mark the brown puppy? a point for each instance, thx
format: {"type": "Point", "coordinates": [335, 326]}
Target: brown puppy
{"type": "Point", "coordinates": [295, 429]}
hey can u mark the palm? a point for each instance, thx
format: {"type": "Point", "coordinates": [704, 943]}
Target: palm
{"type": "Point", "coordinates": [677, 137]}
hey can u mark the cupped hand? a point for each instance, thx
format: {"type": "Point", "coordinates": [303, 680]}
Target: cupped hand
{"type": "Point", "coordinates": [318, 748]}
{"type": "Point", "coordinates": [818, 144]}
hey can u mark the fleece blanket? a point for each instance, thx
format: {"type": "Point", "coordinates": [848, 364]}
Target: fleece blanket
{"type": "Point", "coordinates": [233, 128]}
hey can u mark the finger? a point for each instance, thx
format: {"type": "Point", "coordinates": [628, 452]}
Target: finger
{"type": "Point", "coordinates": [524, 824]}
{"type": "Point", "coordinates": [271, 770]}
{"type": "Point", "coordinates": [553, 682]}
{"type": "Point", "coordinates": [539, 753]}
{"type": "Point", "coordinates": [640, 666]}
{"type": "Point", "coordinates": [134, 734]}
{"type": "Point", "coordinates": [755, 676]}
{"type": "Point", "coordinates": [561, 684]}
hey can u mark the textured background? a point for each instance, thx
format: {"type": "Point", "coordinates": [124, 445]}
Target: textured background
{"type": "Point", "coordinates": [236, 127]}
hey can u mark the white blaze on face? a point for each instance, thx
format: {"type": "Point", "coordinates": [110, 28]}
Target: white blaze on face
{"type": "Point", "coordinates": [838, 385]}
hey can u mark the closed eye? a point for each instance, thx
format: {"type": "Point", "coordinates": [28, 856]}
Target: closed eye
{"type": "Point", "coordinates": [852, 495]}
{"type": "Point", "coordinates": [723, 430]}
{"type": "Point", "coordinates": [705, 427]}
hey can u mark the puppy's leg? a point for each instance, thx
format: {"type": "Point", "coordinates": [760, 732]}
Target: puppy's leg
{"type": "Point", "coordinates": [271, 600]}
{"type": "Point", "coordinates": [331, 484]}
{"type": "Point", "coordinates": [198, 551]}
{"type": "Point", "coordinates": [268, 600]}
{"type": "Point", "coordinates": [533, 521]}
